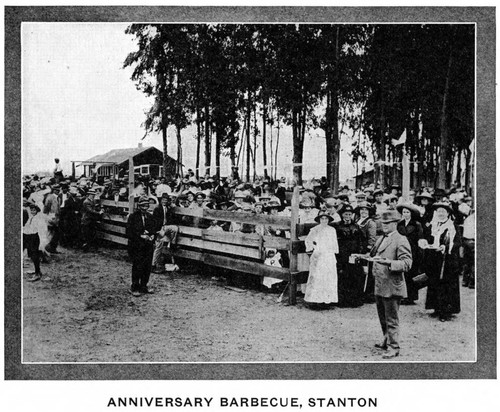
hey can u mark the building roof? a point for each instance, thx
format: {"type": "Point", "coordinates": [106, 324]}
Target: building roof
{"type": "Point", "coordinates": [118, 155]}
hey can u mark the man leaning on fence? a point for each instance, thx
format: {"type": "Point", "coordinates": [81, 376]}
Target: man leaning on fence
{"type": "Point", "coordinates": [166, 233]}
{"type": "Point", "coordinates": [140, 233]}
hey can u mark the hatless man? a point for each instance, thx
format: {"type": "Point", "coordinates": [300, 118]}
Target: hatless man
{"type": "Point", "coordinates": [393, 257]}
{"type": "Point", "coordinates": [58, 171]}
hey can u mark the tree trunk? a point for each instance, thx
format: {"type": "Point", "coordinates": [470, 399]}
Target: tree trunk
{"type": "Point", "coordinates": [179, 151]}
{"type": "Point", "coordinates": [217, 154]}
{"type": "Point", "coordinates": [444, 141]}
{"type": "Point", "coordinates": [249, 120]}
{"type": "Point", "coordinates": [468, 170]}
{"type": "Point", "coordinates": [208, 143]}
{"type": "Point", "coordinates": [254, 151]}
{"type": "Point", "coordinates": [332, 122]}
{"type": "Point", "coordinates": [276, 149]}
{"type": "Point", "coordinates": [264, 143]}
{"type": "Point", "coordinates": [198, 142]}
{"type": "Point", "coordinates": [298, 146]}
{"type": "Point", "coordinates": [165, 147]}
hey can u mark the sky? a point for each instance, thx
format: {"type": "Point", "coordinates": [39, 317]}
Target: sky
{"type": "Point", "coordinates": [78, 101]}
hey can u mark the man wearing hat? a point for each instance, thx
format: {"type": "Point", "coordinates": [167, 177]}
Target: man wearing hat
{"type": "Point", "coordinates": [166, 232]}
{"type": "Point", "coordinates": [393, 257]}
{"type": "Point", "coordinates": [67, 222]}
{"type": "Point", "coordinates": [380, 205]}
{"type": "Point", "coordinates": [140, 233]}
{"type": "Point", "coordinates": [90, 216]}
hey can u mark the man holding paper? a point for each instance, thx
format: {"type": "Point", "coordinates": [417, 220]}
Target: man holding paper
{"type": "Point", "coordinates": [391, 257]}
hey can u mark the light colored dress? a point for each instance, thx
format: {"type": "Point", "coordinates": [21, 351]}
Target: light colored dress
{"type": "Point", "coordinates": [322, 282]}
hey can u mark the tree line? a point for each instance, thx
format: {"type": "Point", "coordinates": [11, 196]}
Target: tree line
{"type": "Point", "coordinates": [241, 83]}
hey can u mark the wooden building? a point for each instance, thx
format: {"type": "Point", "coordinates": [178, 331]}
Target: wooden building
{"type": "Point", "coordinates": [147, 160]}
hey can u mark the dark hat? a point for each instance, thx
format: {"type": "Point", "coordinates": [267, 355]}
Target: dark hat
{"type": "Point", "coordinates": [390, 216]}
{"type": "Point", "coordinates": [439, 192]}
{"type": "Point", "coordinates": [323, 214]}
{"type": "Point", "coordinates": [143, 200]}
{"type": "Point", "coordinates": [273, 204]}
{"type": "Point", "coordinates": [378, 192]}
{"type": "Point", "coordinates": [425, 195]}
{"type": "Point", "coordinates": [392, 197]}
{"type": "Point", "coordinates": [444, 205]}
{"type": "Point", "coordinates": [411, 207]}
{"type": "Point", "coordinates": [365, 205]}
{"type": "Point", "coordinates": [345, 208]}
{"type": "Point", "coordinates": [343, 197]}
{"type": "Point", "coordinates": [165, 196]}
{"type": "Point", "coordinates": [227, 203]}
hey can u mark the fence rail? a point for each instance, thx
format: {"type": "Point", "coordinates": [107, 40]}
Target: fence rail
{"type": "Point", "coordinates": [234, 251]}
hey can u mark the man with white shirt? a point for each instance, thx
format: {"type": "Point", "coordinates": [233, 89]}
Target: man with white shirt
{"type": "Point", "coordinates": [58, 171]}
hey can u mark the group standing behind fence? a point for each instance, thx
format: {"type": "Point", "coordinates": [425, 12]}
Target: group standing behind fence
{"type": "Point", "coordinates": [438, 224]}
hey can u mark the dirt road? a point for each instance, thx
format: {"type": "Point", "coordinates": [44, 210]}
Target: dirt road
{"type": "Point", "coordinates": [84, 313]}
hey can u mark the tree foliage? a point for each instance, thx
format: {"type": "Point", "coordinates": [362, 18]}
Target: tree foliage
{"type": "Point", "coordinates": [376, 80]}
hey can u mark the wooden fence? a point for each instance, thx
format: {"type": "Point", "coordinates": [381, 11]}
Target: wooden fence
{"type": "Point", "coordinates": [234, 251]}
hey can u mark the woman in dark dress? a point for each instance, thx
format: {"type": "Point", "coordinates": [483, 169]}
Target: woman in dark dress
{"type": "Point", "coordinates": [441, 263]}
{"type": "Point", "coordinates": [368, 226]}
{"type": "Point", "coordinates": [350, 275]}
{"type": "Point", "coordinates": [410, 227]}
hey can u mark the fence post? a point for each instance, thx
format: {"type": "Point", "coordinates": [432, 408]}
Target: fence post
{"type": "Point", "coordinates": [131, 185]}
{"type": "Point", "coordinates": [292, 299]}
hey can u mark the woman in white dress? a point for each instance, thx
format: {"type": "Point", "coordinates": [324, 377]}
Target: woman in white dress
{"type": "Point", "coordinates": [321, 289]}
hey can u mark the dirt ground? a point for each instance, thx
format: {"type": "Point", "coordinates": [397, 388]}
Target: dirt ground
{"type": "Point", "coordinates": [84, 313]}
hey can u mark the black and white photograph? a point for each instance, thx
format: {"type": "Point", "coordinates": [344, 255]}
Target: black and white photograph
{"type": "Point", "coordinates": [251, 190]}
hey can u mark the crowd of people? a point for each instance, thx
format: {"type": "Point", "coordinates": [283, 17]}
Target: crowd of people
{"type": "Point", "coordinates": [362, 246]}
{"type": "Point", "coordinates": [438, 225]}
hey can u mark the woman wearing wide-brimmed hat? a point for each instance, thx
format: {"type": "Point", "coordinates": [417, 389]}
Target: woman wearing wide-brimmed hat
{"type": "Point", "coordinates": [321, 288]}
{"type": "Point", "coordinates": [425, 200]}
{"type": "Point", "coordinates": [365, 212]}
{"type": "Point", "coordinates": [410, 227]}
{"type": "Point", "coordinates": [351, 276]}
{"type": "Point", "coordinates": [441, 263]}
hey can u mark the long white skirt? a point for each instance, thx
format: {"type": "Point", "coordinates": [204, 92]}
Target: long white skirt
{"type": "Point", "coordinates": [322, 283]}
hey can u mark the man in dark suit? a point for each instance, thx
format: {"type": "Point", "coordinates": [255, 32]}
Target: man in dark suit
{"type": "Point", "coordinates": [140, 234]}
{"type": "Point", "coordinates": [67, 222]}
{"type": "Point", "coordinates": [166, 233]}
{"type": "Point", "coordinates": [392, 254]}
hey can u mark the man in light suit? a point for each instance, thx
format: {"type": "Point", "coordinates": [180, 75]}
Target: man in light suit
{"type": "Point", "coordinates": [395, 256]}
